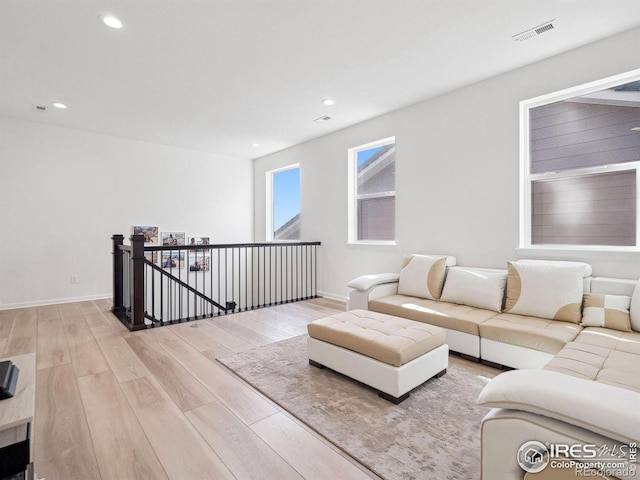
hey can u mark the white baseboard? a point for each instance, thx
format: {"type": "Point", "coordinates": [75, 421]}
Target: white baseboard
{"type": "Point", "coordinates": [55, 301]}
{"type": "Point", "coordinates": [333, 296]}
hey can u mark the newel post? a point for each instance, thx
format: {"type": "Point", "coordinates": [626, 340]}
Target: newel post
{"type": "Point", "coordinates": [118, 307]}
{"type": "Point", "coordinates": [137, 282]}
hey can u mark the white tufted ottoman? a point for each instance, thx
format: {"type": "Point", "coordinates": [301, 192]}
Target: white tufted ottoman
{"type": "Point", "coordinates": [393, 355]}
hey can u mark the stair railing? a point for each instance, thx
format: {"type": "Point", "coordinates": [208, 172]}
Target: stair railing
{"type": "Point", "coordinates": [158, 285]}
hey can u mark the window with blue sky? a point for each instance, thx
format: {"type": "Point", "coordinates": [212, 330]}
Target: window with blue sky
{"type": "Point", "coordinates": [286, 204]}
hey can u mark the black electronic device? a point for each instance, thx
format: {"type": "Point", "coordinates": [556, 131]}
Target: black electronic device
{"type": "Point", "coordinates": [8, 379]}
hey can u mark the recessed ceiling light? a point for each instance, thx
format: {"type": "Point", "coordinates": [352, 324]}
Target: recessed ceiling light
{"type": "Point", "coordinates": [255, 144]}
{"type": "Point", "coordinates": [111, 21]}
{"type": "Point", "coordinates": [328, 101]}
{"type": "Point", "coordinates": [59, 105]}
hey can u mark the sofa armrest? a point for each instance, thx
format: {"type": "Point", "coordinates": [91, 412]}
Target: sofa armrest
{"type": "Point", "coordinates": [366, 282]}
{"type": "Point", "coordinates": [570, 399]}
{"type": "Point", "coordinates": [370, 287]}
{"type": "Point", "coordinates": [503, 432]}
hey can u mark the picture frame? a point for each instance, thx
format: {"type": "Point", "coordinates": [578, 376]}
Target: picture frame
{"type": "Point", "coordinates": [150, 233]}
{"type": "Point", "coordinates": [151, 256]}
{"type": "Point", "coordinates": [172, 259]}
{"type": "Point", "coordinates": [199, 262]}
{"type": "Point", "coordinates": [173, 238]}
{"type": "Point", "coordinates": [199, 241]}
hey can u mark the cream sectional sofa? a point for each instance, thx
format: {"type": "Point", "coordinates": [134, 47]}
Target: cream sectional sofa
{"type": "Point", "coordinates": [470, 307]}
{"type": "Point", "coordinates": [577, 354]}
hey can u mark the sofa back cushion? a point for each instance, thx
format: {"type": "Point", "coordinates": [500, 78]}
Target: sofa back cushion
{"type": "Point", "coordinates": [476, 287]}
{"type": "Point", "coordinates": [423, 276]}
{"type": "Point", "coordinates": [609, 311]}
{"type": "Point", "coordinates": [551, 290]}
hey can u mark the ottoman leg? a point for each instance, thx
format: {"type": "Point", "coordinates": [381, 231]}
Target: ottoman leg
{"type": "Point", "coordinates": [441, 373]}
{"type": "Point", "coordinates": [315, 364]}
{"type": "Point", "coordinates": [392, 399]}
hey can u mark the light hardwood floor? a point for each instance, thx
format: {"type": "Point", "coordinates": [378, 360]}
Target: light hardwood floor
{"type": "Point", "coordinates": [111, 404]}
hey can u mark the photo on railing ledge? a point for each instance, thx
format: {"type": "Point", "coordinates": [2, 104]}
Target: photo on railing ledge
{"type": "Point", "coordinates": [150, 233]}
{"type": "Point", "coordinates": [173, 238]}
{"type": "Point", "coordinates": [198, 240]}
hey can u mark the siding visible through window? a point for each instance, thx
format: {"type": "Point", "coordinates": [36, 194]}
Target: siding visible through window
{"type": "Point", "coordinates": [598, 209]}
{"type": "Point", "coordinates": [376, 218]}
{"type": "Point", "coordinates": [566, 135]}
{"type": "Point", "coordinates": [375, 192]}
{"type": "Point", "coordinates": [580, 166]}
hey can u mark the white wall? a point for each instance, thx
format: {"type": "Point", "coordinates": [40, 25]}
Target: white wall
{"type": "Point", "coordinates": [64, 192]}
{"type": "Point", "coordinates": [457, 171]}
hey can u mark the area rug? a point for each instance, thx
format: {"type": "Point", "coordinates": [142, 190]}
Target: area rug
{"type": "Point", "coordinates": [434, 434]}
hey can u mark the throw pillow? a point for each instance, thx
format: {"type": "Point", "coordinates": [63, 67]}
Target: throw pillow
{"type": "Point", "coordinates": [423, 276]}
{"type": "Point", "coordinates": [609, 311]}
{"type": "Point", "coordinates": [476, 287]}
{"type": "Point", "coordinates": [546, 290]}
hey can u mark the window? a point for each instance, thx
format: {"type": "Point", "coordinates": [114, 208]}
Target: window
{"type": "Point", "coordinates": [372, 192]}
{"type": "Point", "coordinates": [580, 158]}
{"type": "Point", "coordinates": [283, 204]}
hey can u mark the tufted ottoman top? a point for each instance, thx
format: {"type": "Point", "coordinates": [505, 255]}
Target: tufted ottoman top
{"type": "Point", "coordinates": [386, 338]}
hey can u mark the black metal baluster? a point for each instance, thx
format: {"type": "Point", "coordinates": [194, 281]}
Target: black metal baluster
{"type": "Point", "coordinates": [246, 281]}
{"type": "Point", "coordinates": [153, 292]}
{"type": "Point", "coordinates": [287, 280]}
{"type": "Point", "coordinates": [219, 299]}
{"type": "Point", "coordinates": [270, 275]}
{"type": "Point", "coordinates": [211, 276]}
{"type": "Point", "coordinates": [162, 312]}
{"type": "Point", "coordinates": [264, 276]}
{"type": "Point", "coordinates": [296, 275]}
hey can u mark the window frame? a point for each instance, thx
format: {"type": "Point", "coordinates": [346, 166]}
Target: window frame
{"type": "Point", "coordinates": [269, 217]}
{"type": "Point", "coordinates": [352, 187]}
{"type": "Point", "coordinates": [526, 178]}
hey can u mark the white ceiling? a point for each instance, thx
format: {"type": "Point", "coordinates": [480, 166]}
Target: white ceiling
{"type": "Point", "coordinates": [219, 75]}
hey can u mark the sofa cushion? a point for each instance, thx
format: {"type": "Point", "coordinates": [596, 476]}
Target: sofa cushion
{"type": "Point", "coordinates": [628, 342]}
{"type": "Point", "coordinates": [476, 287]}
{"type": "Point", "coordinates": [550, 290]}
{"type": "Point", "coordinates": [579, 360]}
{"type": "Point", "coordinates": [423, 276]}
{"type": "Point", "coordinates": [610, 311]}
{"type": "Point", "coordinates": [530, 332]}
{"type": "Point", "coordinates": [442, 314]}
{"type": "Point", "coordinates": [599, 364]}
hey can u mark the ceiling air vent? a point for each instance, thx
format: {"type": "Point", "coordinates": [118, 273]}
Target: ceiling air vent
{"type": "Point", "coordinates": [534, 32]}
{"type": "Point", "coordinates": [39, 108]}
{"type": "Point", "coordinates": [322, 119]}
